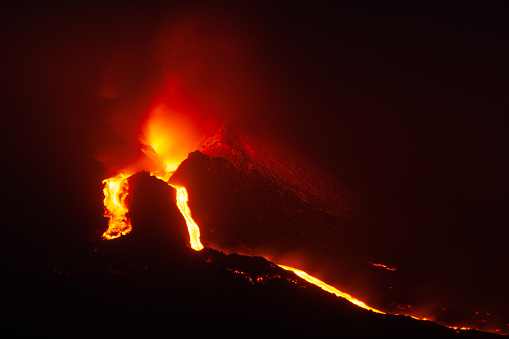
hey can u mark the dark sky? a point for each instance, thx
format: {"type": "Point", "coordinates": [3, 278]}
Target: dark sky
{"type": "Point", "coordinates": [404, 103]}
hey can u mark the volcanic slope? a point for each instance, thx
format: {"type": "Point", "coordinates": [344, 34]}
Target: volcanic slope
{"type": "Point", "coordinates": [149, 282]}
{"type": "Point", "coordinates": [250, 204]}
{"type": "Point", "coordinates": [250, 199]}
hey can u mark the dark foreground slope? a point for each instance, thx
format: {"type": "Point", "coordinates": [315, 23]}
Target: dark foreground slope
{"type": "Point", "coordinates": [150, 283]}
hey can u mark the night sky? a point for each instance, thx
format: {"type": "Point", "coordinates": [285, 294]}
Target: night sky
{"type": "Point", "coordinates": [405, 104]}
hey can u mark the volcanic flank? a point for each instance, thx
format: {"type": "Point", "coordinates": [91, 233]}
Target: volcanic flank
{"type": "Point", "coordinates": [149, 282]}
{"type": "Point", "coordinates": [151, 275]}
{"type": "Point", "coordinates": [246, 204]}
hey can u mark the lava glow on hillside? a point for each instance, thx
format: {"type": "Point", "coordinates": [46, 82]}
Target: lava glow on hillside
{"type": "Point", "coordinates": [158, 148]}
{"type": "Point", "coordinates": [116, 190]}
{"type": "Point", "coordinates": [174, 125]}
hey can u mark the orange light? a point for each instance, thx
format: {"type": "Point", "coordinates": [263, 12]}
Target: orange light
{"type": "Point", "coordinates": [115, 208]}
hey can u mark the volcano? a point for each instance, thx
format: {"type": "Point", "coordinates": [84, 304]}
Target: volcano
{"type": "Point", "coordinates": [364, 163]}
{"type": "Point", "coordinates": [149, 281]}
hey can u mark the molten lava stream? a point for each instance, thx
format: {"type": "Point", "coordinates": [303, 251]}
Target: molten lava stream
{"type": "Point", "coordinates": [192, 227]}
{"type": "Point", "coordinates": [329, 288]}
{"type": "Point", "coordinates": [115, 207]}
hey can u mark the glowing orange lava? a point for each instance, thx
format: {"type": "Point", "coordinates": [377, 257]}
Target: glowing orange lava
{"type": "Point", "coordinates": [460, 328]}
{"type": "Point", "coordinates": [115, 208]}
{"type": "Point", "coordinates": [329, 288]}
{"type": "Point", "coordinates": [192, 227]}
{"type": "Point", "coordinates": [383, 266]}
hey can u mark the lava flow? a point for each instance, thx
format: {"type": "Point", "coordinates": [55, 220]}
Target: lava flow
{"type": "Point", "coordinates": [192, 227]}
{"type": "Point", "coordinates": [115, 194]}
{"type": "Point", "coordinates": [383, 266]}
{"type": "Point", "coordinates": [329, 288]}
{"type": "Point", "coordinates": [115, 207]}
